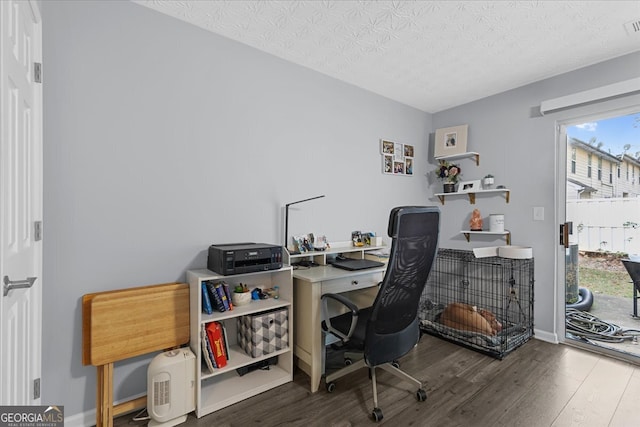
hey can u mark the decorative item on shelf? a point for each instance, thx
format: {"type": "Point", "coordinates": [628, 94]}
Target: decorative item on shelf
{"type": "Point", "coordinates": [362, 238]}
{"type": "Point", "coordinates": [241, 295]}
{"type": "Point", "coordinates": [449, 173]}
{"type": "Point", "coordinates": [487, 182]}
{"type": "Point", "coordinates": [496, 223]}
{"type": "Point", "coordinates": [450, 141]}
{"type": "Point", "coordinates": [475, 223]}
{"type": "Point", "coordinates": [469, 186]}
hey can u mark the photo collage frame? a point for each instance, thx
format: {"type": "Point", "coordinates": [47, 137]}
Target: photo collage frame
{"type": "Point", "coordinates": [397, 159]}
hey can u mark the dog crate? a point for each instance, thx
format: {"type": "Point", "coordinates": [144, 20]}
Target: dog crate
{"type": "Point", "coordinates": [502, 287]}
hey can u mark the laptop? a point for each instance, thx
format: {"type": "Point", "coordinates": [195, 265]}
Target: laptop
{"type": "Point", "coordinates": [356, 264]}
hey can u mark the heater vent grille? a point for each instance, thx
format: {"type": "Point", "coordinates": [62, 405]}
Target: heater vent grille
{"type": "Point", "coordinates": [162, 392]}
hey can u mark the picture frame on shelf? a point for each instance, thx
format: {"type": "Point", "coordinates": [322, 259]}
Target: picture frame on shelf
{"type": "Point", "coordinates": [450, 141]}
{"type": "Point", "coordinates": [469, 186]}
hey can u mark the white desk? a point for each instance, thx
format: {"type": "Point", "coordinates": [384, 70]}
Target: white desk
{"type": "Point", "coordinates": [308, 286]}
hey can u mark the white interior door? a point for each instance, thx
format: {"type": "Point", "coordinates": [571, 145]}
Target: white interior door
{"type": "Point", "coordinates": [20, 203]}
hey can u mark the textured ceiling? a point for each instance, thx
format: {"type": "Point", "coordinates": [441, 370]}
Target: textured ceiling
{"type": "Point", "coordinates": [431, 55]}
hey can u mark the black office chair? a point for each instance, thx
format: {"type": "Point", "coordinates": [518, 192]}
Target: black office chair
{"type": "Point", "coordinates": [389, 329]}
{"type": "Point", "coordinates": [633, 268]}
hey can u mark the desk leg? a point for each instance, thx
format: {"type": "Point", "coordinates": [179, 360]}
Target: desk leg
{"type": "Point", "coordinates": [104, 396]}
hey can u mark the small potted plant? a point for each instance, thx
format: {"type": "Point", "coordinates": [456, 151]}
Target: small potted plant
{"type": "Point", "coordinates": [487, 181]}
{"type": "Point", "coordinates": [241, 295]}
{"type": "Point", "coordinates": [449, 173]}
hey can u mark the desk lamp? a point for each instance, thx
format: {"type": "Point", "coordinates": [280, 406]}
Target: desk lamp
{"type": "Point", "coordinates": [286, 219]}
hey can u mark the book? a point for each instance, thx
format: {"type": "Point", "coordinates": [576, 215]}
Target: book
{"type": "Point", "coordinates": [226, 340]}
{"type": "Point", "coordinates": [207, 354]}
{"type": "Point", "coordinates": [222, 294]}
{"type": "Point", "coordinates": [227, 291]}
{"type": "Point", "coordinates": [216, 301]}
{"type": "Point", "coordinates": [206, 302]}
{"type": "Point", "coordinates": [216, 339]}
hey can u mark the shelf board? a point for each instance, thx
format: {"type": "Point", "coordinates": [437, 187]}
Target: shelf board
{"type": "Point", "coordinates": [255, 306]}
{"type": "Point", "coordinates": [229, 390]}
{"type": "Point", "coordinates": [507, 233]}
{"type": "Point", "coordinates": [237, 359]}
{"type": "Point", "coordinates": [472, 194]}
{"type": "Point", "coordinates": [462, 156]}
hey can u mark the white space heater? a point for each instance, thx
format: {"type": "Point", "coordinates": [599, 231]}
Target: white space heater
{"type": "Point", "coordinates": [171, 387]}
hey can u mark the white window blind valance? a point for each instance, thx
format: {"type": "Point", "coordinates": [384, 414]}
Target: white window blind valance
{"type": "Point", "coordinates": [627, 87]}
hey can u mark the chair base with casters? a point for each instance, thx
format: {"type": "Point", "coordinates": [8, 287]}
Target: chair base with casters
{"type": "Point", "coordinates": [379, 335]}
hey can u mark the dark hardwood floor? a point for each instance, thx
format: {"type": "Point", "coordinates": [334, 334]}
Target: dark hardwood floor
{"type": "Point", "coordinates": [539, 384]}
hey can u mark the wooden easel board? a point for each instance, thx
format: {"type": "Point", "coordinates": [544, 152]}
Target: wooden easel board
{"type": "Point", "coordinates": [125, 323]}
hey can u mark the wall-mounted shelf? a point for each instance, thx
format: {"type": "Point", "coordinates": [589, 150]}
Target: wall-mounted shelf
{"type": "Point", "coordinates": [461, 156]}
{"type": "Point", "coordinates": [472, 195]}
{"type": "Point", "coordinates": [506, 234]}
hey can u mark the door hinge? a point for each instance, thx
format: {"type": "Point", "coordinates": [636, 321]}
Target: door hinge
{"type": "Point", "coordinates": [36, 388]}
{"type": "Point", "coordinates": [37, 231]}
{"type": "Point", "coordinates": [37, 72]}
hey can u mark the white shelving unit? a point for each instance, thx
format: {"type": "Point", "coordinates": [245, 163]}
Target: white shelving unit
{"type": "Point", "coordinates": [345, 249]}
{"type": "Point", "coordinates": [225, 386]}
{"type": "Point", "coordinates": [472, 197]}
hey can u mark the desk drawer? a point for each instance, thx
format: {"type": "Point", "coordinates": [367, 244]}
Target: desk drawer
{"type": "Point", "coordinates": [352, 283]}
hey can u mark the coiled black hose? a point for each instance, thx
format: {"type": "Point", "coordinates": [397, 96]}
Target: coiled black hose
{"type": "Point", "coordinates": [588, 326]}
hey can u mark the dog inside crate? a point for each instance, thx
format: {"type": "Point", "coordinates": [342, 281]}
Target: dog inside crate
{"type": "Point", "coordinates": [482, 303]}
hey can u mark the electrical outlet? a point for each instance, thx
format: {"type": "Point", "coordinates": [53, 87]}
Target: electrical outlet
{"type": "Point", "coordinates": [538, 213]}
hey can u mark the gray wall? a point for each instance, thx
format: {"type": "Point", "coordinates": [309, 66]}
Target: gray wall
{"type": "Point", "coordinates": [518, 146]}
{"type": "Point", "coordinates": [161, 138]}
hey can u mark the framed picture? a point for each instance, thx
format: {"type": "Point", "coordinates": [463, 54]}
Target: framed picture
{"type": "Point", "coordinates": [450, 141]}
{"type": "Point", "coordinates": [398, 153]}
{"type": "Point", "coordinates": [387, 164]}
{"type": "Point", "coordinates": [387, 147]}
{"type": "Point", "coordinates": [469, 186]}
{"type": "Point", "coordinates": [408, 150]}
{"type": "Point", "coordinates": [397, 158]}
{"type": "Point", "coordinates": [408, 166]}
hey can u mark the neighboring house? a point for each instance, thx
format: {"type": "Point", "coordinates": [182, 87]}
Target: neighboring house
{"type": "Point", "coordinates": [594, 173]}
{"type": "Point", "coordinates": [628, 176]}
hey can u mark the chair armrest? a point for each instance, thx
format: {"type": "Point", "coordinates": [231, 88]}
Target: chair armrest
{"type": "Point", "coordinates": [354, 311]}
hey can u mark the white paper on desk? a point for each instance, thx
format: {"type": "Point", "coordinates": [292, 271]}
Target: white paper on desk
{"type": "Point", "coordinates": [384, 253]}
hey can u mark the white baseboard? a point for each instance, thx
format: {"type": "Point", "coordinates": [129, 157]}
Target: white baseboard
{"type": "Point", "coordinates": [546, 336]}
{"type": "Point", "coordinates": [88, 418]}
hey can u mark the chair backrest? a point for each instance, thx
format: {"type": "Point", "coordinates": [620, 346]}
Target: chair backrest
{"type": "Point", "coordinates": [393, 328]}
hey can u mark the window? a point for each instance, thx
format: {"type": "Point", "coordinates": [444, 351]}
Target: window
{"type": "Point", "coordinates": [599, 168]}
{"type": "Point", "coordinates": [573, 160]}
{"type": "Point", "coordinates": [627, 171]}
{"type": "Point", "coordinates": [589, 165]}
{"type": "Point", "coordinates": [610, 173]}
{"type": "Point", "coordinates": [619, 173]}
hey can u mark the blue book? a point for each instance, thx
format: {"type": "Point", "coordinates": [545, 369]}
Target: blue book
{"type": "Point", "coordinates": [223, 296]}
{"type": "Point", "coordinates": [206, 302]}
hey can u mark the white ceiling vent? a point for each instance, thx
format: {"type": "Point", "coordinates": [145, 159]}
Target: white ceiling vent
{"type": "Point", "coordinates": [633, 27]}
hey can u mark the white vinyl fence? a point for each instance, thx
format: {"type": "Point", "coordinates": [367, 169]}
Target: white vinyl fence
{"type": "Point", "coordinates": [609, 225]}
